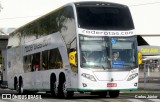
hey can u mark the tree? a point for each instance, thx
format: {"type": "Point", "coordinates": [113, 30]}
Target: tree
{"type": "Point", "coordinates": [1, 7]}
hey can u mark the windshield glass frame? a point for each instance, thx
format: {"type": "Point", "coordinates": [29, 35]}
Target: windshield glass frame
{"type": "Point", "coordinates": [106, 52]}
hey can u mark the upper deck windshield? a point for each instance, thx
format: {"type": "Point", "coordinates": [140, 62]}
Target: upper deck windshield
{"type": "Point", "coordinates": [104, 17]}
{"type": "Point", "coordinates": [107, 52]}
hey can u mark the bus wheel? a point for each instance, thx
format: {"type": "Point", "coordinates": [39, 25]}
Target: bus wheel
{"type": "Point", "coordinates": [15, 83]}
{"type": "Point", "coordinates": [63, 93]}
{"type": "Point", "coordinates": [114, 93]}
{"type": "Point", "coordinates": [54, 91]}
{"type": "Point", "coordinates": [17, 86]}
{"type": "Point", "coordinates": [20, 90]}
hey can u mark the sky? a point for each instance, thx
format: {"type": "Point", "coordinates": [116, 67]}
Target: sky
{"type": "Point", "coordinates": [16, 13]}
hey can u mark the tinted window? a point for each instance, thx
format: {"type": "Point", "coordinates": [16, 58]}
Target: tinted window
{"type": "Point", "coordinates": [49, 59]}
{"type": "Point", "coordinates": [36, 62]}
{"type": "Point", "coordinates": [55, 59]}
{"type": "Point", "coordinates": [110, 18]}
{"type": "Point", "coordinates": [45, 60]}
{"type": "Point", "coordinates": [124, 52]}
{"type": "Point", "coordinates": [28, 63]}
{"type": "Point", "coordinates": [31, 62]}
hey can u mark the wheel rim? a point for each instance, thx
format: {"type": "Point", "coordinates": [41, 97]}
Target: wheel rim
{"type": "Point", "coordinates": [20, 89]}
{"type": "Point", "coordinates": [55, 89]}
{"type": "Point", "coordinates": [64, 89]}
{"type": "Point", "coordinates": [17, 87]}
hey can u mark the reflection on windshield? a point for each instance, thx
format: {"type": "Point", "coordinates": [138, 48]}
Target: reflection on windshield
{"type": "Point", "coordinates": [106, 52]}
{"type": "Point", "coordinates": [123, 52]}
{"type": "Point", "coordinates": [111, 18]}
{"type": "Point", "coordinates": [94, 52]}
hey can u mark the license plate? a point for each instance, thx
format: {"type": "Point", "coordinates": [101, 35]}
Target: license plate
{"type": "Point", "coordinates": [111, 84]}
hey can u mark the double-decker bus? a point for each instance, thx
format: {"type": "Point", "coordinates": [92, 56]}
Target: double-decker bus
{"type": "Point", "coordinates": [80, 47]}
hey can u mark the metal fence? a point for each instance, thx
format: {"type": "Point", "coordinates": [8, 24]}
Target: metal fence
{"type": "Point", "coordinates": [149, 76]}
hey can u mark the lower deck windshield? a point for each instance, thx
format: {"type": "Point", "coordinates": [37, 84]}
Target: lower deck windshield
{"type": "Point", "coordinates": [108, 52]}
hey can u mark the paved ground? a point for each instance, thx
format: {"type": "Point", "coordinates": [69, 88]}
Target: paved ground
{"type": "Point", "coordinates": [149, 86]}
{"type": "Point", "coordinates": [127, 96]}
{"type": "Point", "coordinates": [149, 81]}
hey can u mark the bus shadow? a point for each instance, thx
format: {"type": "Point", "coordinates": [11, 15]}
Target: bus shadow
{"type": "Point", "coordinates": [76, 96]}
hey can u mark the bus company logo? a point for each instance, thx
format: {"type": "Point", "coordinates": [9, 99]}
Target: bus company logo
{"type": "Point", "coordinates": [108, 33]}
{"type": "Point", "coordinates": [39, 45]}
{"type": "Point", "coordinates": [12, 96]}
{"type": "Point", "coordinates": [111, 84]}
{"type": "Point", "coordinates": [6, 96]}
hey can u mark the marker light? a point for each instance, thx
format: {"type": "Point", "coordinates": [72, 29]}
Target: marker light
{"type": "Point", "coordinates": [88, 76]}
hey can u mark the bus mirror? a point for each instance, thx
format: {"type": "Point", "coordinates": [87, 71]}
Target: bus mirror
{"type": "Point", "coordinates": [139, 58]}
{"type": "Point", "coordinates": [72, 58]}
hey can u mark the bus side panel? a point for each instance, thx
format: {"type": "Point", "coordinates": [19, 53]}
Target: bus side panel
{"type": "Point", "coordinates": [39, 80]}
{"type": "Point", "coordinates": [14, 65]}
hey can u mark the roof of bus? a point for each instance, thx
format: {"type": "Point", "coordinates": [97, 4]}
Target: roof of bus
{"type": "Point", "coordinates": [98, 3]}
{"type": "Point", "coordinates": [84, 3]}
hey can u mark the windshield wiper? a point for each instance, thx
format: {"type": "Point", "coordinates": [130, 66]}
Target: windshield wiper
{"type": "Point", "coordinates": [101, 66]}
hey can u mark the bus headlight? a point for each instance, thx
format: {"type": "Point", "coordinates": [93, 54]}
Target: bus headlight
{"type": "Point", "coordinates": [132, 76]}
{"type": "Point", "coordinates": [88, 76]}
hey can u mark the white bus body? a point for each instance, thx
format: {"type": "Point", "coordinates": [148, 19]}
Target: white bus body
{"type": "Point", "coordinates": [39, 52]}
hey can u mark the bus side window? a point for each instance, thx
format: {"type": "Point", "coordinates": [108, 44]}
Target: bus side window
{"type": "Point", "coordinates": [36, 62]}
{"type": "Point", "coordinates": [55, 59]}
{"type": "Point", "coordinates": [44, 60]}
{"type": "Point", "coordinates": [27, 63]}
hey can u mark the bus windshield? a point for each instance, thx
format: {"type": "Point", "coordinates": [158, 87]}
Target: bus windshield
{"type": "Point", "coordinates": [94, 52]}
{"type": "Point", "coordinates": [123, 52]}
{"type": "Point", "coordinates": [103, 17]}
{"type": "Point", "coordinates": [107, 52]}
